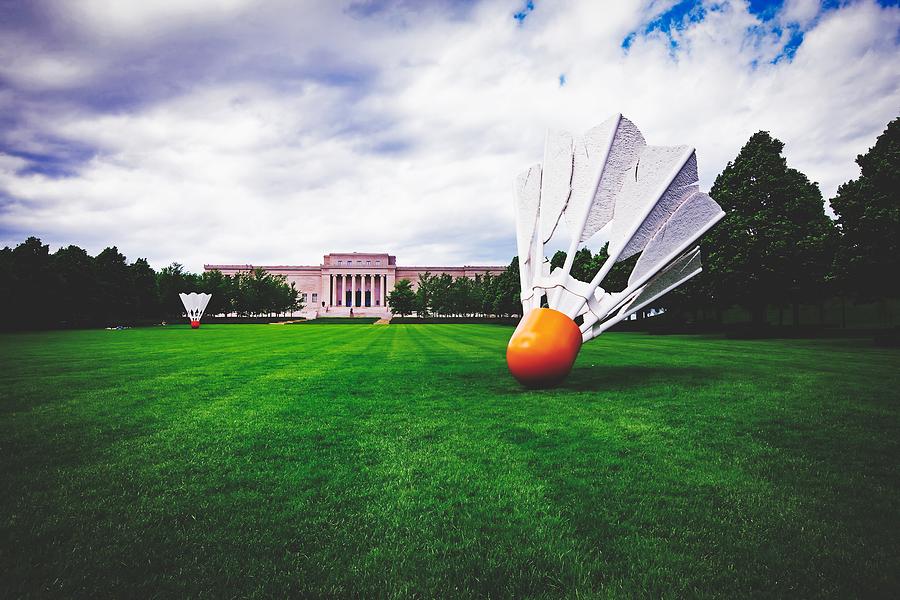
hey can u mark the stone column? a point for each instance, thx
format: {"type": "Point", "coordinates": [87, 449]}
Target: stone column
{"type": "Point", "coordinates": [332, 289]}
{"type": "Point", "coordinates": [376, 291]}
{"type": "Point", "coordinates": [353, 290]}
{"type": "Point", "coordinates": [323, 293]}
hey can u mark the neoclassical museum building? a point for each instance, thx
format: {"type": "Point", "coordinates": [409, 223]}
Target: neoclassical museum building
{"type": "Point", "coordinates": [357, 280]}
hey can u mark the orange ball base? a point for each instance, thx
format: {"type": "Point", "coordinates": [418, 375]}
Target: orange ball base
{"type": "Point", "coordinates": [195, 324]}
{"type": "Point", "coordinates": [543, 348]}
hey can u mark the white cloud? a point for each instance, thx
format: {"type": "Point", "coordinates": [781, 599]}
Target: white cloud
{"type": "Point", "coordinates": [31, 65]}
{"type": "Point", "coordinates": [416, 157]}
{"type": "Point", "coordinates": [801, 12]}
{"type": "Point", "coordinates": [128, 18]}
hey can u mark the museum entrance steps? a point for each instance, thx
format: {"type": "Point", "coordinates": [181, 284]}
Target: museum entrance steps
{"type": "Point", "coordinates": [358, 311]}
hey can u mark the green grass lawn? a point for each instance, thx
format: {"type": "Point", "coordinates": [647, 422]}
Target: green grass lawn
{"type": "Point", "coordinates": [403, 461]}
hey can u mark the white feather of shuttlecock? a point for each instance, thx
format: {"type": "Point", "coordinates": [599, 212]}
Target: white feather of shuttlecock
{"type": "Point", "coordinates": [195, 304]}
{"type": "Point", "coordinates": [610, 186]}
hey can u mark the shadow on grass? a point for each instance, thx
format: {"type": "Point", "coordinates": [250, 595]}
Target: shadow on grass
{"type": "Point", "coordinates": [625, 377]}
{"type": "Point", "coordinates": [613, 378]}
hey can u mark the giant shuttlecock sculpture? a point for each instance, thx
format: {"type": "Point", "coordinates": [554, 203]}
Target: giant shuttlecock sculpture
{"type": "Point", "coordinates": [605, 186]}
{"type": "Point", "coordinates": [194, 305]}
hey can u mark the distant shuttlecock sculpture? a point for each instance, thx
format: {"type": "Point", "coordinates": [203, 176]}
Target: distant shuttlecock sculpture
{"type": "Point", "coordinates": [605, 186]}
{"type": "Point", "coordinates": [194, 305]}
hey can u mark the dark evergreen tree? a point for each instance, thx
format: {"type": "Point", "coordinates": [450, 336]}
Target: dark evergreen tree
{"type": "Point", "coordinates": [424, 300]}
{"type": "Point", "coordinates": [774, 243]}
{"type": "Point", "coordinates": [146, 289]}
{"type": "Point", "coordinates": [8, 294]}
{"type": "Point", "coordinates": [441, 300]}
{"type": "Point", "coordinates": [173, 280]}
{"type": "Point", "coordinates": [32, 285]}
{"type": "Point", "coordinates": [402, 298]}
{"type": "Point", "coordinates": [76, 287]}
{"type": "Point", "coordinates": [215, 283]}
{"type": "Point", "coordinates": [507, 300]}
{"type": "Point", "coordinates": [115, 289]}
{"type": "Point", "coordinates": [868, 210]}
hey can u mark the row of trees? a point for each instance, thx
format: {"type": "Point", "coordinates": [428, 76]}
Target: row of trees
{"type": "Point", "coordinates": [72, 288]}
{"type": "Point", "coordinates": [776, 247]}
{"type": "Point", "coordinates": [442, 295]}
{"type": "Point", "coordinates": [252, 294]}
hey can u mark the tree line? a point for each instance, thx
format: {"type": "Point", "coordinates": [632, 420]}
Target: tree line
{"type": "Point", "coordinates": [71, 288]}
{"type": "Point", "coordinates": [445, 296]}
{"type": "Point", "coordinates": [776, 246]}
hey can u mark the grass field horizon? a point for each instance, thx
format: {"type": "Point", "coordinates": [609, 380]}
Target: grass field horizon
{"type": "Point", "coordinates": [404, 461]}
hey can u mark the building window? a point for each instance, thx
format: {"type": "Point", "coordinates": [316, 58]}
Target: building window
{"type": "Point", "coordinates": [377, 263]}
{"type": "Point", "coordinates": [359, 262]}
{"type": "Point", "coordinates": [315, 298]}
{"type": "Point", "coordinates": [340, 262]}
{"type": "Point", "coordinates": [368, 263]}
{"type": "Point", "coordinates": [302, 296]}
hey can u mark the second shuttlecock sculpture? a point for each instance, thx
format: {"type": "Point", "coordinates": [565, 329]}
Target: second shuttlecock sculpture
{"type": "Point", "coordinates": [607, 186]}
{"type": "Point", "coordinates": [194, 305]}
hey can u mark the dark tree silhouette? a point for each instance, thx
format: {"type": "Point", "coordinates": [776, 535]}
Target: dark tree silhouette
{"type": "Point", "coordinates": [402, 298]}
{"type": "Point", "coordinates": [775, 242]}
{"type": "Point", "coordinates": [868, 210]}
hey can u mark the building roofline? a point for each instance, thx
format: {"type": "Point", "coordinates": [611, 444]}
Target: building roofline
{"type": "Point", "coordinates": [211, 267]}
{"type": "Point", "coordinates": [448, 268]}
{"type": "Point", "coordinates": [248, 266]}
{"type": "Point", "coordinates": [360, 254]}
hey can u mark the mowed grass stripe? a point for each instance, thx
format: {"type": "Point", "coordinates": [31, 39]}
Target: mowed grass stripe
{"type": "Point", "coordinates": [403, 461]}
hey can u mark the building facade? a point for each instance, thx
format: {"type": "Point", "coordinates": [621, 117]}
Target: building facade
{"type": "Point", "coordinates": [351, 280]}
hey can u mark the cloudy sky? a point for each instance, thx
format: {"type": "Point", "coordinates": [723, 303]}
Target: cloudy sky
{"type": "Point", "coordinates": [271, 132]}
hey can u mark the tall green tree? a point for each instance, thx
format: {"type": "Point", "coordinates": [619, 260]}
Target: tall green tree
{"type": "Point", "coordinates": [115, 287]}
{"type": "Point", "coordinates": [442, 301]}
{"type": "Point", "coordinates": [31, 284]}
{"type": "Point", "coordinates": [868, 211]}
{"type": "Point", "coordinates": [402, 298]}
{"type": "Point", "coordinates": [146, 289]}
{"type": "Point", "coordinates": [76, 286]}
{"type": "Point", "coordinates": [8, 294]}
{"type": "Point", "coordinates": [173, 280]}
{"type": "Point", "coordinates": [423, 303]}
{"type": "Point", "coordinates": [507, 297]}
{"type": "Point", "coordinates": [219, 285]}
{"type": "Point", "coordinates": [774, 244]}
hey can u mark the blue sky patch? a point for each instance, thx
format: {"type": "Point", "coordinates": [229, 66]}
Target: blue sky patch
{"type": "Point", "coordinates": [687, 12]}
{"type": "Point", "coordinates": [523, 14]}
{"type": "Point", "coordinates": [676, 18]}
{"type": "Point", "coordinates": [765, 10]}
